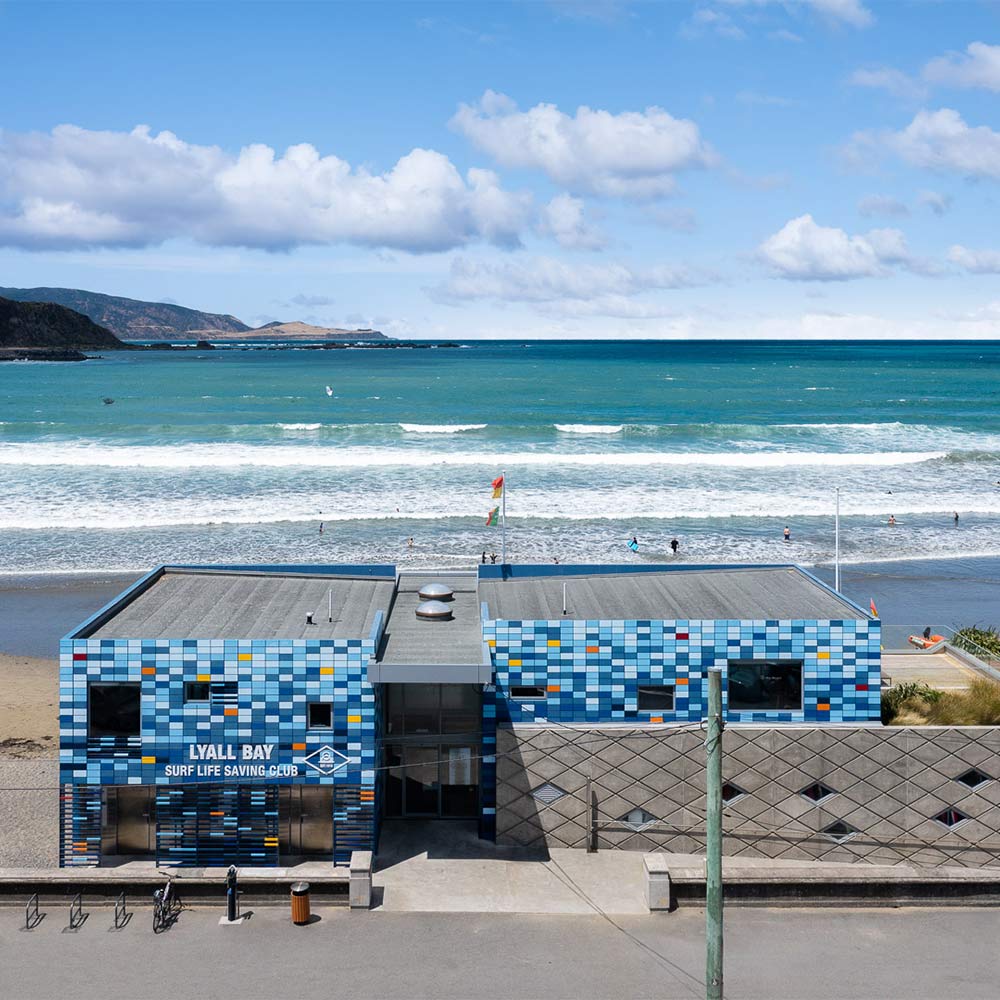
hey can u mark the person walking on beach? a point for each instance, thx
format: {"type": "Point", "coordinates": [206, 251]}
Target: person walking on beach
{"type": "Point", "coordinates": [787, 533]}
{"type": "Point", "coordinates": [674, 545]}
{"type": "Point", "coordinates": [483, 560]}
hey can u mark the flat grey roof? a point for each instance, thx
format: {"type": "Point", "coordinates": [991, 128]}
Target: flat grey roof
{"type": "Point", "coordinates": [210, 604]}
{"type": "Point", "coordinates": [703, 593]}
{"type": "Point", "coordinates": [409, 639]}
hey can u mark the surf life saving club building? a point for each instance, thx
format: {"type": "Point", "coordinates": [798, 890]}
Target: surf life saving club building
{"type": "Point", "coordinates": [256, 714]}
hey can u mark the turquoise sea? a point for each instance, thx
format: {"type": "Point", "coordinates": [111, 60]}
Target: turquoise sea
{"type": "Point", "coordinates": [236, 455]}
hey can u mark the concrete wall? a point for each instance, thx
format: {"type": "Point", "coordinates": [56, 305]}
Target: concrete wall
{"type": "Point", "coordinates": [591, 670]}
{"type": "Point", "coordinates": [887, 784]}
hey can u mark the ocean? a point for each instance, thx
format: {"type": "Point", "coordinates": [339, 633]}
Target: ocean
{"type": "Point", "coordinates": [238, 456]}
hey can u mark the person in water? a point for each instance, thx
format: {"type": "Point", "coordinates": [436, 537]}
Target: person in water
{"type": "Point", "coordinates": [787, 533]}
{"type": "Point", "coordinates": [675, 545]}
{"type": "Point", "coordinates": [321, 527]}
{"type": "Point", "coordinates": [409, 543]}
{"type": "Point", "coordinates": [892, 519]}
{"type": "Point", "coordinates": [955, 518]}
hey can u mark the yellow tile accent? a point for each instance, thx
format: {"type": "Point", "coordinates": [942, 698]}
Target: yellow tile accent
{"type": "Point", "coordinates": [553, 642]}
{"type": "Point", "coordinates": [354, 718]}
{"type": "Point", "coordinates": [326, 670]}
{"type": "Point", "coordinates": [491, 642]}
{"type": "Point", "coordinates": [204, 677]}
{"type": "Point", "coordinates": [148, 760]}
{"type": "Point", "coordinates": [244, 656]}
{"type": "Point", "coordinates": [825, 655]}
{"type": "Point", "coordinates": [513, 663]}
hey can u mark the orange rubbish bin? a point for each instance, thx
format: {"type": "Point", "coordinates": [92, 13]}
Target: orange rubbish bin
{"type": "Point", "coordinates": [300, 902]}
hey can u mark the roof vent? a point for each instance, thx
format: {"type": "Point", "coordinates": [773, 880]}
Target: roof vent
{"type": "Point", "coordinates": [436, 592]}
{"type": "Point", "coordinates": [434, 611]}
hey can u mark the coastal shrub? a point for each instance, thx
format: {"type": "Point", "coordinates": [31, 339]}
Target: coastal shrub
{"type": "Point", "coordinates": [985, 638]}
{"type": "Point", "coordinates": [979, 705]}
{"type": "Point", "coordinates": [909, 694]}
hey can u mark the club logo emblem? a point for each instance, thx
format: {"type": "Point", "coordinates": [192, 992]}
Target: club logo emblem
{"type": "Point", "coordinates": [326, 760]}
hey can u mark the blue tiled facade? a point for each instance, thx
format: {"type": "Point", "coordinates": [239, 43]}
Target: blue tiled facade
{"type": "Point", "coordinates": [259, 691]}
{"type": "Point", "coordinates": [591, 670]}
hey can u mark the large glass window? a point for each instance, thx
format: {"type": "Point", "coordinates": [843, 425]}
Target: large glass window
{"type": "Point", "coordinates": [113, 709]}
{"type": "Point", "coordinates": [433, 709]}
{"type": "Point", "coordinates": [765, 685]}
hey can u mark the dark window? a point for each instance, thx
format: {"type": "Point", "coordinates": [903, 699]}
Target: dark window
{"type": "Point", "coordinates": [527, 693]}
{"type": "Point", "coordinates": [731, 792]}
{"type": "Point", "coordinates": [973, 778]}
{"type": "Point", "coordinates": [656, 699]}
{"type": "Point", "coordinates": [320, 715]}
{"type": "Point", "coordinates": [196, 690]}
{"type": "Point", "coordinates": [817, 791]}
{"type": "Point", "coordinates": [765, 685]}
{"type": "Point", "coordinates": [951, 817]}
{"type": "Point", "coordinates": [113, 709]}
{"type": "Point", "coordinates": [839, 831]}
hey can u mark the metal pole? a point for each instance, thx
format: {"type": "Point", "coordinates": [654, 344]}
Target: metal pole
{"type": "Point", "coordinates": [503, 520]}
{"type": "Point", "coordinates": [330, 605]}
{"type": "Point", "coordinates": [713, 839]}
{"type": "Point", "coordinates": [836, 546]}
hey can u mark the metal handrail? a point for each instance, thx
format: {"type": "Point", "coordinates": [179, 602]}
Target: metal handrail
{"type": "Point", "coordinates": [964, 642]}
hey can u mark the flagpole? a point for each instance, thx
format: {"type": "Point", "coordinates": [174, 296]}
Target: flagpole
{"type": "Point", "coordinates": [503, 520]}
{"type": "Point", "coordinates": [836, 543]}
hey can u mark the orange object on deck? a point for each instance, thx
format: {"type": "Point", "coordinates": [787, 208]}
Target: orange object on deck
{"type": "Point", "coordinates": [921, 643]}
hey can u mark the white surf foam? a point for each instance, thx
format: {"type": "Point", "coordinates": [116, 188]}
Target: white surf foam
{"type": "Point", "coordinates": [440, 428]}
{"type": "Point", "coordinates": [590, 428]}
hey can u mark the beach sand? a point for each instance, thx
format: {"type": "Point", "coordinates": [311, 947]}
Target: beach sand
{"type": "Point", "coordinates": [29, 706]}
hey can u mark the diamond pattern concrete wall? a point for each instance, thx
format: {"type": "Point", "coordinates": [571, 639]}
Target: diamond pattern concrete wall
{"type": "Point", "coordinates": [887, 785]}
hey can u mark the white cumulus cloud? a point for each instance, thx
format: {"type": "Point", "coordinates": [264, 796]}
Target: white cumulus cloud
{"type": "Point", "coordinates": [802, 250]}
{"type": "Point", "coordinates": [79, 188]}
{"type": "Point", "coordinates": [564, 220]}
{"type": "Point", "coordinates": [937, 140]}
{"type": "Point", "coordinates": [633, 154]}
{"type": "Point", "coordinates": [976, 261]}
{"type": "Point", "coordinates": [978, 66]}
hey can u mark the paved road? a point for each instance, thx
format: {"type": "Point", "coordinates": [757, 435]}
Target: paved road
{"type": "Point", "coordinates": [771, 954]}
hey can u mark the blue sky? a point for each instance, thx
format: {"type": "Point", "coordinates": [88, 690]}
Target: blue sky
{"type": "Point", "coordinates": [726, 168]}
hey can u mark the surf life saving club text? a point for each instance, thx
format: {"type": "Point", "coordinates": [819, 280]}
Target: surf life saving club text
{"type": "Point", "coordinates": [212, 760]}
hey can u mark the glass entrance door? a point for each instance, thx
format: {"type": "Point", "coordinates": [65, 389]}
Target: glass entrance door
{"type": "Point", "coordinates": [432, 780]}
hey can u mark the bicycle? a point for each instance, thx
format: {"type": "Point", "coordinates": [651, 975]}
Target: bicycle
{"type": "Point", "coordinates": [165, 906]}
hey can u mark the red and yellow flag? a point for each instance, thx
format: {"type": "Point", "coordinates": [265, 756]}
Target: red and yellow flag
{"type": "Point", "coordinates": [871, 604]}
{"type": "Point", "coordinates": [498, 487]}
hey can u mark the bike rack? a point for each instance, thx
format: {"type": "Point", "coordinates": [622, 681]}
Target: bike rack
{"type": "Point", "coordinates": [32, 918]}
{"type": "Point", "coordinates": [122, 915]}
{"type": "Point", "coordinates": [76, 914]}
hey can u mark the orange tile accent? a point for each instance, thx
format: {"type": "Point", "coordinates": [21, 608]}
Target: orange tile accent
{"type": "Point", "coordinates": [552, 687]}
{"type": "Point", "coordinates": [326, 670]}
{"type": "Point", "coordinates": [298, 746]}
{"type": "Point", "coordinates": [244, 656]}
{"type": "Point", "coordinates": [593, 649]}
{"type": "Point", "coordinates": [354, 718]}
{"type": "Point", "coordinates": [204, 677]}
{"type": "Point", "coordinates": [656, 718]}
{"type": "Point", "coordinates": [217, 813]}
{"type": "Point", "coordinates": [681, 681]}
{"type": "Point", "coordinates": [149, 670]}
{"type": "Point", "coordinates": [231, 711]}
{"type": "Point", "coordinates": [148, 760]}
{"type": "Point", "coordinates": [825, 655]}
{"type": "Point", "coordinates": [823, 706]}
{"type": "Point", "coordinates": [553, 642]}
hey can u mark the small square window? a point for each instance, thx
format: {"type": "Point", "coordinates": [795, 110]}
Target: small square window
{"type": "Point", "coordinates": [839, 832]}
{"type": "Point", "coordinates": [320, 715]}
{"type": "Point", "coordinates": [951, 817]}
{"type": "Point", "coordinates": [196, 691]}
{"type": "Point", "coordinates": [114, 709]}
{"type": "Point", "coordinates": [731, 792]}
{"type": "Point", "coordinates": [656, 699]}
{"type": "Point", "coordinates": [817, 791]}
{"type": "Point", "coordinates": [527, 693]}
{"type": "Point", "coordinates": [973, 778]}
